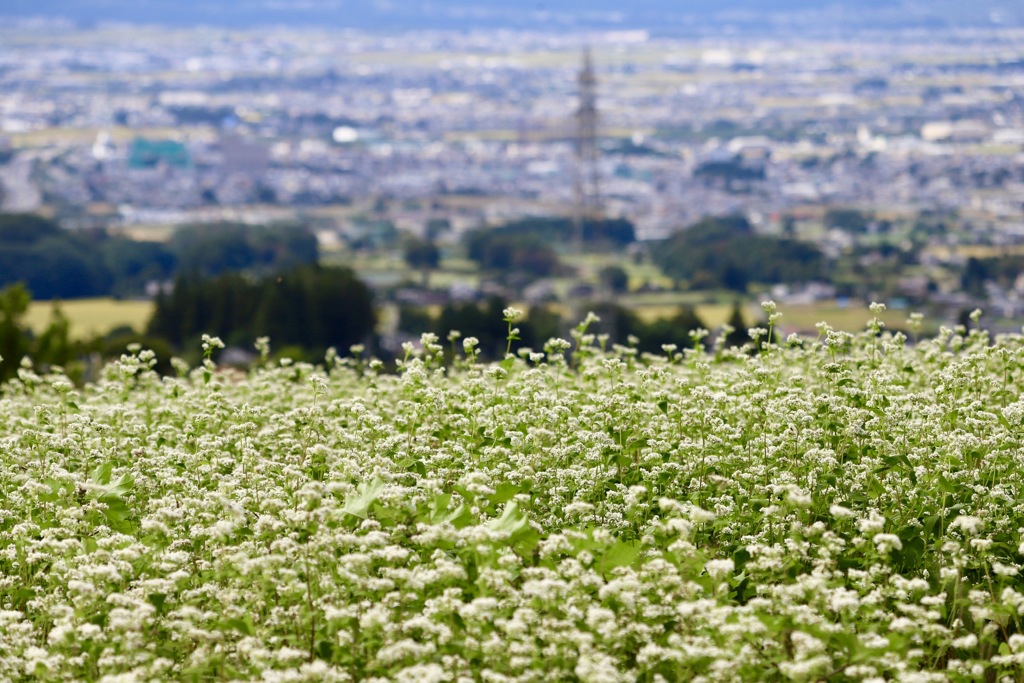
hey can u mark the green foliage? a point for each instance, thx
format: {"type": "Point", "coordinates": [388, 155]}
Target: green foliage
{"type": "Point", "coordinates": [615, 278]}
{"type": "Point", "coordinates": [737, 327]}
{"type": "Point", "coordinates": [14, 342]}
{"type": "Point", "coordinates": [849, 220]}
{"type": "Point", "coordinates": [726, 253]}
{"type": "Point", "coordinates": [209, 250]}
{"type": "Point", "coordinates": [733, 173]}
{"type": "Point", "coordinates": [529, 245]}
{"type": "Point", "coordinates": [475, 320]}
{"type": "Point", "coordinates": [63, 264]}
{"type": "Point", "coordinates": [52, 347]}
{"type": "Point", "coordinates": [605, 233]}
{"type": "Point", "coordinates": [67, 264]}
{"type": "Point", "coordinates": [543, 323]}
{"type": "Point", "coordinates": [501, 251]}
{"type": "Point", "coordinates": [132, 264]}
{"type": "Point", "coordinates": [622, 324]}
{"type": "Point", "coordinates": [309, 306]}
{"type": "Point", "coordinates": [846, 508]}
{"type": "Point", "coordinates": [51, 262]}
{"type": "Point", "coordinates": [1001, 270]}
{"type": "Point", "coordinates": [421, 254]}
{"type": "Point", "coordinates": [25, 229]}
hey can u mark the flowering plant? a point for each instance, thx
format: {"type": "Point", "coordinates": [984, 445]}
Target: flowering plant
{"type": "Point", "coordinates": [846, 508]}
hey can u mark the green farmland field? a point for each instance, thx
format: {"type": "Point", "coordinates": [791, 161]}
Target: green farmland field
{"type": "Point", "coordinates": [846, 509]}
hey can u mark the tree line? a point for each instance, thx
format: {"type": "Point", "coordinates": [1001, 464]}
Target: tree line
{"type": "Point", "coordinates": [54, 263]}
{"type": "Point", "coordinates": [55, 346]}
{"type": "Point", "coordinates": [309, 306]}
{"type": "Point", "coordinates": [621, 325]}
{"type": "Point", "coordinates": [531, 245]}
{"type": "Point", "coordinates": [726, 253]}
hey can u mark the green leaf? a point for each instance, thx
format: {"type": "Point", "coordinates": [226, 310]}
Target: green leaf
{"type": "Point", "coordinates": [526, 540]}
{"type": "Point", "coordinates": [101, 474]}
{"type": "Point", "coordinates": [325, 650]}
{"type": "Point", "coordinates": [740, 557]}
{"type": "Point", "coordinates": [511, 520]}
{"type": "Point", "coordinates": [157, 600]}
{"type": "Point", "coordinates": [118, 488]}
{"type": "Point", "coordinates": [243, 626]}
{"type": "Point", "coordinates": [619, 554]}
{"type": "Point", "coordinates": [439, 507]}
{"type": "Point", "coordinates": [358, 505]}
{"type": "Point", "coordinates": [507, 364]}
{"type": "Point", "coordinates": [461, 517]}
{"type": "Point", "coordinates": [506, 490]}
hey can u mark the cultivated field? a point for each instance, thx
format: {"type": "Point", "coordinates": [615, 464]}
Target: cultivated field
{"type": "Point", "coordinates": [840, 509]}
{"type": "Point", "coordinates": [89, 318]}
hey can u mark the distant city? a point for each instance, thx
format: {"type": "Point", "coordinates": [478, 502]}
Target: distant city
{"type": "Point", "coordinates": [908, 141]}
{"type": "Point", "coordinates": [146, 125]}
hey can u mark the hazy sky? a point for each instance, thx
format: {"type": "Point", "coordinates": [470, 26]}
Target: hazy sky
{"type": "Point", "coordinates": [555, 14]}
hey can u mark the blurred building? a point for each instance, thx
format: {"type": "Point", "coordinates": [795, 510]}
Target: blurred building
{"type": "Point", "coordinates": [243, 156]}
{"type": "Point", "coordinates": [152, 153]}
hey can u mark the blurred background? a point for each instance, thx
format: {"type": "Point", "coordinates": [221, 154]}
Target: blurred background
{"type": "Point", "coordinates": [330, 173]}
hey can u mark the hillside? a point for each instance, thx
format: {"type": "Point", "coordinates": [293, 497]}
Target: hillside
{"type": "Point", "coordinates": [841, 508]}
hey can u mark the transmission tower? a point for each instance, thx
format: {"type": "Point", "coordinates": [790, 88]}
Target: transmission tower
{"type": "Point", "coordinates": [586, 174]}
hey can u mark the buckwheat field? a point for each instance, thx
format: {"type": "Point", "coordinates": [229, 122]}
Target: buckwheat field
{"type": "Point", "coordinates": [845, 508]}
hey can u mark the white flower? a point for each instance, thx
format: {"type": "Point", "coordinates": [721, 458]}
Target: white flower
{"type": "Point", "coordinates": [841, 512]}
{"type": "Point", "coordinates": [968, 524]}
{"type": "Point", "coordinates": [719, 568]}
{"type": "Point", "coordinates": [887, 542]}
{"type": "Point", "coordinates": [968, 642]}
{"type": "Point", "coordinates": [1001, 569]}
{"type": "Point", "coordinates": [871, 525]}
{"type": "Point", "coordinates": [699, 515]}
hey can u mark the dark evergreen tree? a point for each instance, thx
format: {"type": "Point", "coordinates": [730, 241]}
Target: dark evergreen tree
{"type": "Point", "coordinates": [14, 340]}
{"type": "Point", "coordinates": [739, 334]}
{"type": "Point", "coordinates": [310, 307]}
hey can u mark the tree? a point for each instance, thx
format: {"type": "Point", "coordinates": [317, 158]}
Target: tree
{"type": "Point", "coordinates": [614, 278]}
{"type": "Point", "coordinates": [14, 340]}
{"type": "Point", "coordinates": [541, 324]}
{"type": "Point", "coordinates": [726, 253]}
{"type": "Point", "coordinates": [849, 220]}
{"type": "Point", "coordinates": [739, 334]}
{"type": "Point", "coordinates": [675, 330]}
{"type": "Point", "coordinates": [974, 276]}
{"type": "Point", "coordinates": [496, 249]}
{"type": "Point", "coordinates": [309, 306]}
{"type": "Point", "coordinates": [472, 320]}
{"type": "Point", "coordinates": [54, 347]}
{"type": "Point", "coordinates": [422, 255]}
{"type": "Point", "coordinates": [436, 227]}
{"type": "Point", "coordinates": [26, 228]}
{"type": "Point", "coordinates": [67, 264]}
{"type": "Point", "coordinates": [210, 250]}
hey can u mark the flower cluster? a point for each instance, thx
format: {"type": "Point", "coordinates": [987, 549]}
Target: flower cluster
{"type": "Point", "coordinates": [846, 508]}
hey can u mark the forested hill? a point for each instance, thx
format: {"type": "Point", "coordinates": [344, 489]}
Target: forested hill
{"type": "Point", "coordinates": [658, 15]}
